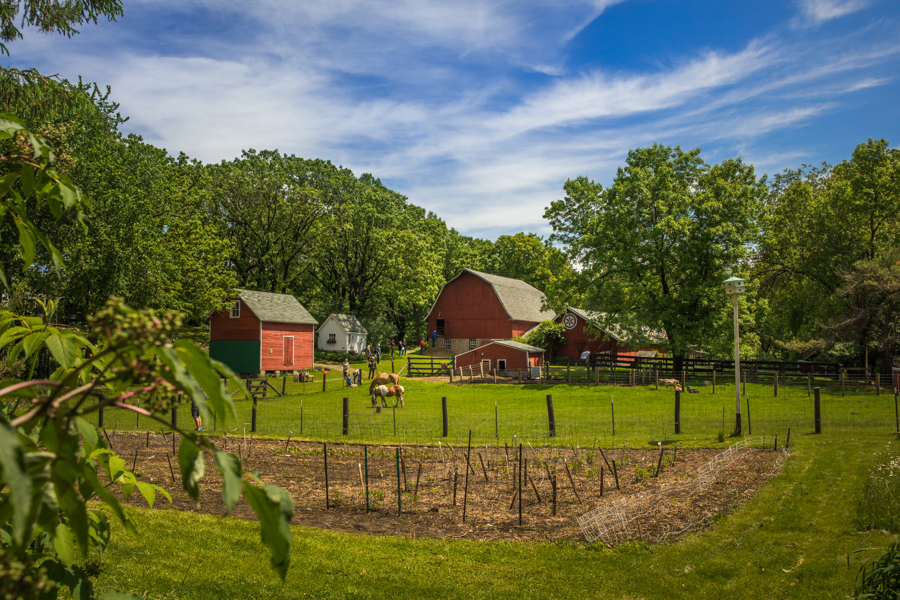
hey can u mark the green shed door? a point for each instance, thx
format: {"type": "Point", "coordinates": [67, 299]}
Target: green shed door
{"type": "Point", "coordinates": [241, 357]}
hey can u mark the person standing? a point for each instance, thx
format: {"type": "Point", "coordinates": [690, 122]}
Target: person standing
{"type": "Point", "coordinates": [373, 367]}
{"type": "Point", "coordinates": [346, 368]}
{"type": "Point", "coordinates": [422, 346]}
{"type": "Point", "coordinates": [195, 412]}
{"type": "Point", "coordinates": [392, 348]}
{"type": "Point", "coordinates": [378, 352]}
{"type": "Point", "coordinates": [433, 337]}
{"type": "Point", "coordinates": [402, 347]}
{"type": "Point", "coordinates": [367, 353]}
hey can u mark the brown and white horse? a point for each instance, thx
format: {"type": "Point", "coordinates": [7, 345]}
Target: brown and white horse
{"type": "Point", "coordinates": [384, 391]}
{"type": "Point", "coordinates": [384, 379]}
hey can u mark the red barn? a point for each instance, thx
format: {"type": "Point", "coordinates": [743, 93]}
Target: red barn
{"type": "Point", "coordinates": [583, 335]}
{"type": "Point", "coordinates": [475, 308]}
{"type": "Point", "coordinates": [262, 332]}
{"type": "Point", "coordinates": [503, 355]}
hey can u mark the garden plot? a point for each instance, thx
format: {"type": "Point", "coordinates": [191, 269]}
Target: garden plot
{"type": "Point", "coordinates": [439, 499]}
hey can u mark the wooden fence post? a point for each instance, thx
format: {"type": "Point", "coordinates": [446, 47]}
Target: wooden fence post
{"type": "Point", "coordinates": [714, 381]}
{"type": "Point", "coordinates": [323, 380]}
{"type": "Point", "coordinates": [252, 416]}
{"type": "Point", "coordinates": [551, 416]}
{"type": "Point", "coordinates": [494, 373]}
{"type": "Point", "coordinates": [444, 410]}
{"type": "Point", "coordinates": [843, 377]}
{"type": "Point", "coordinates": [174, 417]}
{"type": "Point", "coordinates": [817, 409]}
{"type": "Point", "coordinates": [346, 416]}
{"type": "Point", "coordinates": [775, 385]}
{"type": "Point", "coordinates": [877, 384]}
{"type": "Point", "coordinates": [677, 411]}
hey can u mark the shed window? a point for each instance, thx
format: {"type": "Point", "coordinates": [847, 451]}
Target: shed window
{"type": "Point", "coordinates": [236, 310]}
{"type": "Point", "coordinates": [447, 344]}
{"type": "Point", "coordinates": [473, 344]}
{"type": "Point", "coordinates": [332, 339]}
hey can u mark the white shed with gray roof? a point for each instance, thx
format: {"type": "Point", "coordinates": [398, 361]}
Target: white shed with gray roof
{"type": "Point", "coordinates": [342, 333]}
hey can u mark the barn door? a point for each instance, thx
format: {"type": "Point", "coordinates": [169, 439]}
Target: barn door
{"type": "Point", "coordinates": [288, 356]}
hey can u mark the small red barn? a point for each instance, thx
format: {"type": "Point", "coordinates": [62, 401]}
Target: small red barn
{"type": "Point", "coordinates": [503, 355]}
{"type": "Point", "coordinates": [474, 308]}
{"type": "Point", "coordinates": [262, 332]}
{"type": "Point", "coordinates": [583, 335]}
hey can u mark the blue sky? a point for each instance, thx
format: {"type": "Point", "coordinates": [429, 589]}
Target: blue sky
{"type": "Point", "coordinates": [480, 111]}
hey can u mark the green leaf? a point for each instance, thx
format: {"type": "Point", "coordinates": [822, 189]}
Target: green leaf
{"type": "Point", "coordinates": [27, 181]}
{"type": "Point", "coordinates": [64, 542]}
{"type": "Point", "coordinates": [26, 241]}
{"type": "Point", "coordinates": [64, 349]}
{"type": "Point", "coordinates": [204, 372]}
{"type": "Point", "coordinates": [192, 466]}
{"type": "Point", "coordinates": [229, 466]}
{"type": "Point", "coordinates": [33, 342]}
{"type": "Point", "coordinates": [91, 479]}
{"type": "Point", "coordinates": [89, 433]}
{"type": "Point", "coordinates": [13, 469]}
{"type": "Point", "coordinates": [148, 492]}
{"type": "Point", "coordinates": [274, 508]}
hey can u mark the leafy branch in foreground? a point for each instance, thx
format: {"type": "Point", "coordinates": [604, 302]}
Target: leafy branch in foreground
{"type": "Point", "coordinates": [56, 470]}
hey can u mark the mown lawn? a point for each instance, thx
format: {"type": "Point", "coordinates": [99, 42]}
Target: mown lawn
{"type": "Point", "coordinates": [790, 541]}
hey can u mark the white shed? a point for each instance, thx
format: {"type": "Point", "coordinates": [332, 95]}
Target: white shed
{"type": "Point", "coordinates": [342, 333]}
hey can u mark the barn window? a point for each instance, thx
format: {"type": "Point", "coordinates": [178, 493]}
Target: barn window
{"type": "Point", "coordinates": [236, 310]}
{"type": "Point", "coordinates": [501, 364]}
{"type": "Point", "coordinates": [473, 344]}
{"type": "Point", "coordinates": [447, 344]}
{"type": "Point", "coordinates": [332, 338]}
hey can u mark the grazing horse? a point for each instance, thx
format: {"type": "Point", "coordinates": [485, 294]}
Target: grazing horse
{"type": "Point", "coordinates": [668, 382]}
{"type": "Point", "coordinates": [384, 391]}
{"type": "Point", "coordinates": [384, 379]}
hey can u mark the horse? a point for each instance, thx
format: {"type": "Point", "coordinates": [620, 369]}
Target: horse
{"type": "Point", "coordinates": [384, 391]}
{"type": "Point", "coordinates": [384, 379]}
{"type": "Point", "coordinates": [668, 382]}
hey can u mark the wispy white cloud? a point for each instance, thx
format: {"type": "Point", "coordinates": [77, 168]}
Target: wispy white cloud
{"type": "Point", "coordinates": [814, 12]}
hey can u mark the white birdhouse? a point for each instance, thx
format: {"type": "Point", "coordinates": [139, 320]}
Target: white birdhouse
{"type": "Point", "coordinates": [734, 285]}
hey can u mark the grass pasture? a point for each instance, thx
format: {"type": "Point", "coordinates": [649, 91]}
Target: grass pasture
{"type": "Point", "coordinates": [614, 416]}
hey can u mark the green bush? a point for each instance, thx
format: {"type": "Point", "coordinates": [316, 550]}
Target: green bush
{"type": "Point", "coordinates": [331, 357]}
{"type": "Point", "coordinates": [880, 505]}
{"type": "Point", "coordinates": [879, 576]}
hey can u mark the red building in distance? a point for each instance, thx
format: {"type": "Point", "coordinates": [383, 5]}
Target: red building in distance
{"type": "Point", "coordinates": [475, 308]}
{"type": "Point", "coordinates": [503, 355]}
{"type": "Point", "coordinates": [262, 331]}
{"type": "Point", "coordinates": [584, 335]}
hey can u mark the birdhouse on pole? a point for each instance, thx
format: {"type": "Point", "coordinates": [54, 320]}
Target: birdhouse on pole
{"type": "Point", "coordinates": [734, 285]}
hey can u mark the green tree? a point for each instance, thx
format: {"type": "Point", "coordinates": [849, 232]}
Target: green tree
{"type": "Point", "coordinates": [656, 246]}
{"type": "Point", "coordinates": [547, 335]}
{"type": "Point", "coordinates": [272, 209]}
{"type": "Point", "coordinates": [50, 457]}
{"type": "Point", "coordinates": [527, 257]}
{"type": "Point", "coordinates": [52, 16]}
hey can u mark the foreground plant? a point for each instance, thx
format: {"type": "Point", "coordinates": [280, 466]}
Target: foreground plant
{"type": "Point", "coordinates": [56, 469]}
{"type": "Point", "coordinates": [879, 576]}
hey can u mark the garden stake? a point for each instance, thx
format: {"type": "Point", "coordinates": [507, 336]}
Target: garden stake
{"type": "Point", "coordinates": [749, 426]}
{"type": "Point", "coordinates": [572, 481]}
{"type": "Point", "coordinates": [514, 498]}
{"type": "Point", "coordinates": [418, 474]}
{"type": "Point", "coordinates": [366, 455]}
{"type": "Point", "coordinates": [362, 483]}
{"type": "Point", "coordinates": [776, 442]}
{"type": "Point", "coordinates": [134, 462]}
{"type": "Point", "coordinates": [325, 456]}
{"type": "Point", "coordinates": [468, 466]}
{"type": "Point", "coordinates": [455, 478]}
{"type": "Point", "coordinates": [287, 443]}
{"type": "Point", "coordinates": [659, 463]}
{"type": "Point", "coordinates": [403, 468]}
{"type": "Point", "coordinates": [601, 482]}
{"type": "Point", "coordinates": [480, 458]}
{"type": "Point", "coordinates": [553, 485]}
{"type": "Point", "coordinates": [496, 419]}
{"type": "Point", "coordinates": [110, 441]}
{"type": "Point", "coordinates": [506, 446]}
{"type": "Point", "coordinates": [520, 484]}
{"type": "Point", "coordinates": [394, 410]}
{"type": "Point", "coordinates": [616, 474]}
{"type": "Point", "coordinates": [250, 447]}
{"type": "Point", "coordinates": [301, 416]}
{"type": "Point", "coordinates": [604, 460]}
{"type": "Point", "coordinates": [441, 448]}
{"type": "Point", "coordinates": [147, 445]}
{"type": "Point", "coordinates": [787, 443]}
{"type": "Point", "coordinates": [173, 443]}
{"type": "Point", "coordinates": [138, 415]}
{"type": "Point", "coordinates": [534, 487]}
{"type": "Point", "coordinates": [452, 451]}
{"type": "Point", "coordinates": [675, 455]}
{"type": "Point", "coordinates": [171, 471]}
{"type": "Point", "coordinates": [399, 495]}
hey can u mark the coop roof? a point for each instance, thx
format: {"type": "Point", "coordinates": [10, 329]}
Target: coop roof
{"type": "Point", "coordinates": [508, 344]}
{"type": "Point", "coordinates": [521, 301]}
{"type": "Point", "coordinates": [348, 323]}
{"type": "Point", "coordinates": [276, 308]}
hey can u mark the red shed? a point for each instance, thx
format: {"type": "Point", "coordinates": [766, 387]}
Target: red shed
{"type": "Point", "coordinates": [474, 308]}
{"type": "Point", "coordinates": [583, 335]}
{"type": "Point", "coordinates": [503, 355]}
{"type": "Point", "coordinates": [262, 332]}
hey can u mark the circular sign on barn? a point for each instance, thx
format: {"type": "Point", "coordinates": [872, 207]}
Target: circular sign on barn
{"type": "Point", "coordinates": [570, 321]}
